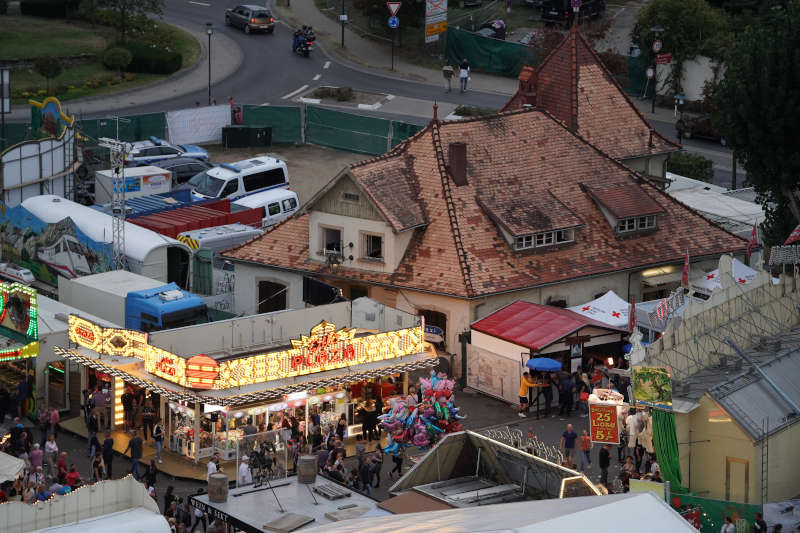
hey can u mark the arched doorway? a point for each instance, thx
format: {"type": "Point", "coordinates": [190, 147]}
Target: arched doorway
{"type": "Point", "coordinates": [438, 320]}
{"type": "Point", "coordinates": [271, 296]}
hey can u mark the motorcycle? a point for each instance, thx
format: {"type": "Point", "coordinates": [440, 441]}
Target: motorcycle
{"type": "Point", "coordinates": [303, 41]}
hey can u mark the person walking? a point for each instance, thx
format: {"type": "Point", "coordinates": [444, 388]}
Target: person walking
{"type": "Point", "coordinates": [98, 468]}
{"type": "Point", "coordinates": [135, 447]}
{"type": "Point", "coordinates": [245, 476]}
{"type": "Point", "coordinates": [365, 476]}
{"type": "Point", "coordinates": [447, 72]}
{"type": "Point", "coordinates": [151, 473]}
{"type": "Point", "coordinates": [158, 438]}
{"type": "Point", "coordinates": [397, 459]}
{"type": "Point", "coordinates": [100, 402]}
{"type": "Point", "coordinates": [213, 466]}
{"type": "Point", "coordinates": [759, 526]}
{"type": "Point", "coordinates": [463, 74]}
{"type": "Point", "coordinates": [525, 383]}
{"type": "Point", "coordinates": [51, 455]}
{"type": "Point", "coordinates": [376, 464]}
{"type": "Point", "coordinates": [148, 417]}
{"type": "Point", "coordinates": [92, 428]}
{"type": "Point", "coordinates": [568, 439]}
{"type": "Point", "coordinates": [604, 460]}
{"type": "Point", "coordinates": [108, 453]}
{"type": "Point", "coordinates": [586, 450]}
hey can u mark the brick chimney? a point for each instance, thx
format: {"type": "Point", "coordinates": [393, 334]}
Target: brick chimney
{"type": "Point", "coordinates": [527, 85]}
{"type": "Point", "coordinates": [457, 162]}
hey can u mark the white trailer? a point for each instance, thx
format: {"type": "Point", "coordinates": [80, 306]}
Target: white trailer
{"type": "Point", "coordinates": [139, 181]}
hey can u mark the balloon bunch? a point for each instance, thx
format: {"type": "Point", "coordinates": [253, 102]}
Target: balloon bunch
{"type": "Point", "coordinates": [422, 424]}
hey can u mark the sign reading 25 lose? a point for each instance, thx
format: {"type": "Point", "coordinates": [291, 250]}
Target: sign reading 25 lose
{"type": "Point", "coordinates": [603, 423]}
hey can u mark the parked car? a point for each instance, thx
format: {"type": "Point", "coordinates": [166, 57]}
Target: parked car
{"type": "Point", "coordinates": [495, 29]}
{"type": "Point", "coordinates": [183, 169]}
{"type": "Point", "coordinates": [250, 18]}
{"type": "Point", "coordinates": [156, 150]}
{"type": "Point", "coordinates": [560, 12]}
{"type": "Point", "coordinates": [697, 125]}
{"type": "Point", "coordinates": [275, 204]}
{"type": "Point", "coordinates": [241, 178]}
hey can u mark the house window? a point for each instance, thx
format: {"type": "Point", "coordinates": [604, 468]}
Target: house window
{"type": "Point", "coordinates": [564, 235]}
{"type": "Point", "coordinates": [350, 196]}
{"type": "Point", "coordinates": [626, 224]}
{"type": "Point", "coordinates": [373, 247]}
{"type": "Point", "coordinates": [331, 240]}
{"type": "Point", "coordinates": [524, 242]}
{"type": "Point", "coordinates": [647, 222]}
{"type": "Point", "coordinates": [544, 239]}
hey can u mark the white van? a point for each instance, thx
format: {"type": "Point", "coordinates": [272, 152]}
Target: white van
{"type": "Point", "coordinates": [240, 178]}
{"type": "Point", "coordinates": [275, 205]}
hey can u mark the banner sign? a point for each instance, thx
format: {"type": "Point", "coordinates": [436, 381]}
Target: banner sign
{"type": "Point", "coordinates": [603, 423]}
{"type": "Point", "coordinates": [652, 387]}
{"type": "Point", "coordinates": [198, 124]}
{"type": "Point", "coordinates": [435, 19]}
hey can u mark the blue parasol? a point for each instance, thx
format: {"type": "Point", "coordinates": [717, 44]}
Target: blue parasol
{"type": "Point", "coordinates": [543, 364]}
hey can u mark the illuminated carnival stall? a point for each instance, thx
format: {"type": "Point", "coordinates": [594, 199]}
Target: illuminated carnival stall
{"type": "Point", "coordinates": [213, 380]}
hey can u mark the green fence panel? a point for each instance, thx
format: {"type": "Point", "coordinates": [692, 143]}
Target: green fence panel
{"type": "Point", "coordinates": [402, 131]}
{"type": "Point", "coordinates": [713, 512]}
{"type": "Point", "coordinates": [138, 127]}
{"type": "Point", "coordinates": [284, 121]}
{"type": "Point", "coordinates": [486, 54]}
{"type": "Point", "coordinates": [16, 133]}
{"type": "Point", "coordinates": [346, 131]}
{"type": "Point", "coordinates": [637, 76]}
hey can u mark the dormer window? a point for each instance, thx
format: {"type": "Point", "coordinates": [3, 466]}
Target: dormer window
{"type": "Point", "coordinates": [625, 225]}
{"type": "Point", "coordinates": [545, 238]}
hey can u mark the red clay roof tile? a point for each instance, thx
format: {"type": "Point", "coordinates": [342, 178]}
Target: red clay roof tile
{"type": "Point", "coordinates": [627, 200]}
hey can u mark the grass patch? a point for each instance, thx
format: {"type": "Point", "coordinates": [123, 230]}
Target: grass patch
{"type": "Point", "coordinates": [186, 45]}
{"type": "Point", "coordinates": [31, 37]}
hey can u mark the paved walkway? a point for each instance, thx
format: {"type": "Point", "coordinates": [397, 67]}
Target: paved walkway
{"type": "Point", "coordinates": [362, 52]}
{"type": "Point", "coordinates": [225, 60]}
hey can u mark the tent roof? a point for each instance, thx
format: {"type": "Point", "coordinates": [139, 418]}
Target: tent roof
{"type": "Point", "coordinates": [709, 281]}
{"type": "Point", "coordinates": [627, 512]}
{"type": "Point", "coordinates": [10, 467]}
{"type": "Point", "coordinates": [535, 326]}
{"type": "Point", "coordinates": [609, 309]}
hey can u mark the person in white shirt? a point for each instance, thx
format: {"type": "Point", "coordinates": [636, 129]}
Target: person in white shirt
{"type": "Point", "coordinates": [463, 74]}
{"type": "Point", "coordinates": [727, 527]}
{"type": "Point", "coordinates": [245, 476]}
{"type": "Point", "coordinates": [654, 466]}
{"type": "Point", "coordinates": [51, 454]}
{"type": "Point", "coordinates": [213, 466]}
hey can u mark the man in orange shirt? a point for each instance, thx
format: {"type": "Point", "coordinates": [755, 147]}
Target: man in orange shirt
{"type": "Point", "coordinates": [524, 386]}
{"type": "Point", "coordinates": [586, 450]}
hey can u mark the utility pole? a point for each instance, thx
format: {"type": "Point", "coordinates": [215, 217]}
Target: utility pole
{"type": "Point", "coordinates": [656, 48]}
{"type": "Point", "coordinates": [117, 151]}
{"type": "Point", "coordinates": [733, 169]}
{"type": "Point", "coordinates": [343, 19]}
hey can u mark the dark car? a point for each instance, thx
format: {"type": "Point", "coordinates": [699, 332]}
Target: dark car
{"type": "Point", "coordinates": [495, 29]}
{"type": "Point", "coordinates": [697, 125]}
{"type": "Point", "coordinates": [183, 168]}
{"type": "Point", "coordinates": [560, 12]}
{"type": "Point", "coordinates": [250, 18]}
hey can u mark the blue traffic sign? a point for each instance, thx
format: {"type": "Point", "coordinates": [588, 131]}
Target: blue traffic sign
{"type": "Point", "coordinates": [394, 22]}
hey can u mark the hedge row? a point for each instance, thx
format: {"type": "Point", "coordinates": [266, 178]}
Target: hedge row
{"type": "Point", "coordinates": [54, 9]}
{"type": "Point", "coordinates": [150, 59]}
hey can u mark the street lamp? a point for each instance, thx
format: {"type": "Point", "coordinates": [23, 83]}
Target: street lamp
{"type": "Point", "coordinates": [210, 32]}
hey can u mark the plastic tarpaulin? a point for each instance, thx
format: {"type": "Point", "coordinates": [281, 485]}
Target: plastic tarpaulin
{"type": "Point", "coordinates": [284, 121]}
{"type": "Point", "coordinates": [710, 281]}
{"type": "Point", "coordinates": [346, 131]}
{"type": "Point", "coordinates": [713, 512]}
{"type": "Point", "coordinates": [488, 55]}
{"type": "Point", "coordinates": [402, 131]}
{"type": "Point", "coordinates": [609, 309]}
{"type": "Point", "coordinates": [10, 467]}
{"type": "Point", "coordinates": [139, 127]}
{"type": "Point", "coordinates": [198, 124]}
{"type": "Point", "coordinates": [665, 442]}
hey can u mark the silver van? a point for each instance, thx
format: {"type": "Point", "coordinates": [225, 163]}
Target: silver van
{"type": "Point", "coordinates": [241, 178]}
{"type": "Point", "coordinates": [276, 205]}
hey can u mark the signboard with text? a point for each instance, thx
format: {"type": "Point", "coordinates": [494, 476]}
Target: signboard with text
{"type": "Point", "coordinates": [435, 19]}
{"type": "Point", "coordinates": [603, 423]}
{"type": "Point", "coordinates": [664, 59]}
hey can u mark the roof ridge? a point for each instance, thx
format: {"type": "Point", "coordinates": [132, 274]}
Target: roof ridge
{"type": "Point", "coordinates": [448, 198]}
{"type": "Point", "coordinates": [573, 75]}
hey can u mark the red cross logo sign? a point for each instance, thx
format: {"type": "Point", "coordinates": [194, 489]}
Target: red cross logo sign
{"type": "Point", "coordinates": [710, 276]}
{"type": "Point", "coordinates": [586, 308]}
{"type": "Point", "coordinates": [615, 314]}
{"type": "Point", "coordinates": [741, 280]}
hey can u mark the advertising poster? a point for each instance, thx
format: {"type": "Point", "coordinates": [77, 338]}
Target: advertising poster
{"type": "Point", "coordinates": [652, 387]}
{"type": "Point", "coordinates": [603, 423]}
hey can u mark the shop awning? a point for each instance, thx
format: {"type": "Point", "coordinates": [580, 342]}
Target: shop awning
{"type": "Point", "coordinates": [609, 309]}
{"type": "Point", "coordinates": [535, 326]}
{"type": "Point", "coordinates": [261, 392]}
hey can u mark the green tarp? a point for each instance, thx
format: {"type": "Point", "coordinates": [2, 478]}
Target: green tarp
{"type": "Point", "coordinates": [346, 131]}
{"type": "Point", "coordinates": [139, 127]}
{"type": "Point", "coordinates": [284, 121]}
{"type": "Point", "coordinates": [637, 76]}
{"type": "Point", "coordinates": [713, 512]}
{"type": "Point", "coordinates": [402, 131]}
{"type": "Point", "coordinates": [665, 442]}
{"type": "Point", "coordinates": [485, 54]}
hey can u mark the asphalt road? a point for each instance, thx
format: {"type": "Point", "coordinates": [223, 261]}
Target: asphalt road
{"type": "Point", "coordinates": [272, 74]}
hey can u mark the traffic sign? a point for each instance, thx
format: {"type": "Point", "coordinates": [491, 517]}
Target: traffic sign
{"type": "Point", "coordinates": [394, 7]}
{"type": "Point", "coordinates": [657, 44]}
{"type": "Point", "coordinates": [664, 59]}
{"type": "Point", "coordinates": [394, 22]}
{"type": "Point", "coordinates": [651, 72]}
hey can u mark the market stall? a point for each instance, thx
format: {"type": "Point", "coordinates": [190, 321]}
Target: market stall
{"type": "Point", "coordinates": [19, 343]}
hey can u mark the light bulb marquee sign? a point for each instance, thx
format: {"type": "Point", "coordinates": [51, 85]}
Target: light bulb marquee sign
{"type": "Point", "coordinates": [19, 320]}
{"type": "Point", "coordinates": [326, 348]}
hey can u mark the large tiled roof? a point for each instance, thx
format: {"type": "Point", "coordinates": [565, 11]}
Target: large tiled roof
{"type": "Point", "coordinates": [574, 86]}
{"type": "Point", "coordinates": [461, 252]}
{"type": "Point", "coordinates": [625, 200]}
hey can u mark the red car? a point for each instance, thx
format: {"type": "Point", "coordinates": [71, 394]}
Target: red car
{"type": "Point", "coordinates": [697, 125]}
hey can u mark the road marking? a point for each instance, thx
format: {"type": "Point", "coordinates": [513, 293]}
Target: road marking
{"type": "Point", "coordinates": [327, 64]}
{"type": "Point", "coordinates": [318, 76]}
{"type": "Point", "coordinates": [199, 3]}
{"type": "Point", "coordinates": [617, 13]}
{"type": "Point", "coordinates": [296, 91]}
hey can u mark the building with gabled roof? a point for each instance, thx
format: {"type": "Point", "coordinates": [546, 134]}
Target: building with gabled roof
{"type": "Point", "coordinates": [470, 215]}
{"type": "Point", "coordinates": [574, 85]}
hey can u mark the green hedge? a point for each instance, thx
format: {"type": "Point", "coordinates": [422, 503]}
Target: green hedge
{"type": "Point", "coordinates": [54, 9]}
{"type": "Point", "coordinates": [691, 166]}
{"type": "Point", "coordinates": [151, 59]}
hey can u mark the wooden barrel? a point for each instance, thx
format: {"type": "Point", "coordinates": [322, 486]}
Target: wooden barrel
{"type": "Point", "coordinates": [218, 487]}
{"type": "Point", "coordinates": [307, 469]}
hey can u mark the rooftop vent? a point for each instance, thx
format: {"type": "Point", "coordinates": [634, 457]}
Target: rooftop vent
{"type": "Point", "coordinates": [171, 296]}
{"type": "Point", "coordinates": [457, 165]}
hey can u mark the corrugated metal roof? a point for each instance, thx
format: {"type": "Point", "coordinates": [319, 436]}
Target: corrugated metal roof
{"type": "Point", "coordinates": [153, 203]}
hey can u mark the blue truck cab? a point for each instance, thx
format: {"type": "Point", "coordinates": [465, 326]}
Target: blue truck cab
{"type": "Point", "coordinates": [164, 307]}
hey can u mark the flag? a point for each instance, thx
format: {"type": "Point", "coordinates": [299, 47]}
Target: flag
{"type": "Point", "coordinates": [632, 316]}
{"type": "Point", "coordinates": [753, 242]}
{"type": "Point", "coordinates": [794, 236]}
{"type": "Point", "coordinates": [685, 275]}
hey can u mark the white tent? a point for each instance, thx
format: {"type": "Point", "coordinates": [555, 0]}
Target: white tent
{"type": "Point", "coordinates": [710, 281]}
{"type": "Point", "coordinates": [618, 513]}
{"type": "Point", "coordinates": [10, 467]}
{"type": "Point", "coordinates": [609, 309]}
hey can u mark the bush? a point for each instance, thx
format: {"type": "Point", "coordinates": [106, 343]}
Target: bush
{"type": "Point", "coordinates": [472, 111]}
{"type": "Point", "coordinates": [117, 58]}
{"type": "Point", "coordinates": [151, 59]}
{"type": "Point", "coordinates": [691, 166]}
{"type": "Point", "coordinates": [54, 9]}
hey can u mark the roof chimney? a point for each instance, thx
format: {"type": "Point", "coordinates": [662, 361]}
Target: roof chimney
{"type": "Point", "coordinates": [457, 164]}
{"type": "Point", "coordinates": [650, 141]}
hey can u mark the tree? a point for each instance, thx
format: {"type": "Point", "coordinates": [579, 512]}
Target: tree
{"type": "Point", "coordinates": [49, 67]}
{"type": "Point", "coordinates": [690, 28]}
{"type": "Point", "coordinates": [757, 112]}
{"type": "Point", "coordinates": [127, 9]}
{"type": "Point", "coordinates": [117, 59]}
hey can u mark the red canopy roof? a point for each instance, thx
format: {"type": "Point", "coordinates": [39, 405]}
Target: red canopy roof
{"type": "Point", "coordinates": [534, 326]}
